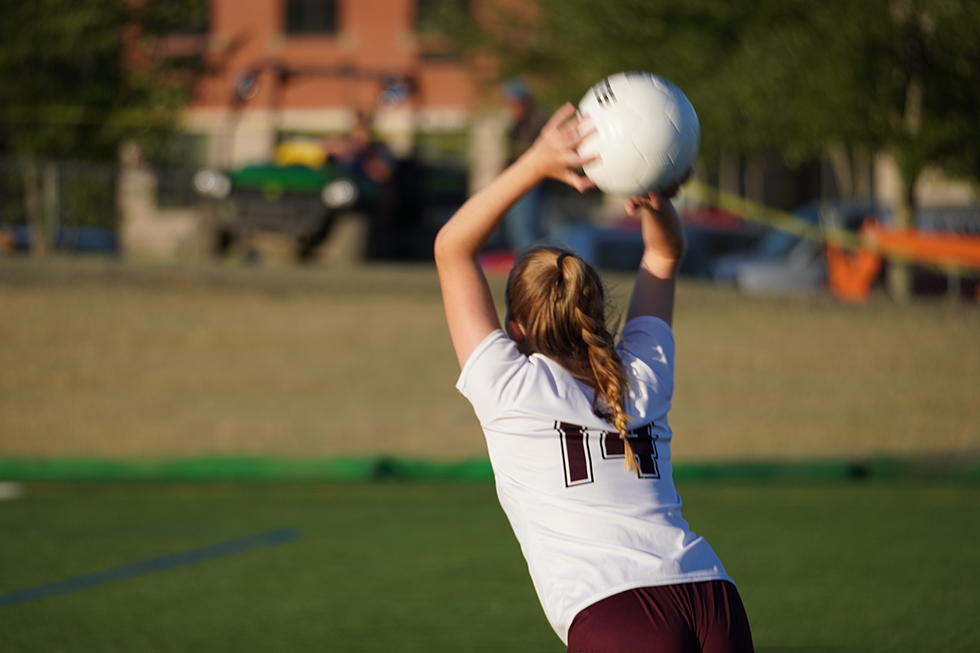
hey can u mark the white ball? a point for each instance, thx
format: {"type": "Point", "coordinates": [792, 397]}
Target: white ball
{"type": "Point", "coordinates": [646, 133]}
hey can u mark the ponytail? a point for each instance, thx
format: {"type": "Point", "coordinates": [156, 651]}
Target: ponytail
{"type": "Point", "coordinates": [609, 378]}
{"type": "Point", "coordinates": [559, 301]}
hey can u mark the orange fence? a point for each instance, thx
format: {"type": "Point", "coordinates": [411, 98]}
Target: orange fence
{"type": "Point", "coordinates": [851, 273]}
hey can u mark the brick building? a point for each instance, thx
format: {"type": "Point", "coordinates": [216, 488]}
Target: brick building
{"type": "Point", "coordinates": [310, 66]}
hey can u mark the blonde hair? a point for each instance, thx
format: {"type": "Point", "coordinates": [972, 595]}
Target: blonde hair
{"type": "Point", "coordinates": [559, 302]}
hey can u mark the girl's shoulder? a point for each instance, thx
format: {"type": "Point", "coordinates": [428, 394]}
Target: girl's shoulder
{"type": "Point", "coordinates": [649, 339]}
{"type": "Point", "coordinates": [498, 377]}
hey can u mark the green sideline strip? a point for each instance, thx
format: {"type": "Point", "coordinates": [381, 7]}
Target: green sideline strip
{"type": "Point", "coordinates": [383, 468]}
{"type": "Point", "coordinates": [240, 468]}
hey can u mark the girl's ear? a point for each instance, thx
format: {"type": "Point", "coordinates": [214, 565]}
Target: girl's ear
{"type": "Point", "coordinates": [515, 331]}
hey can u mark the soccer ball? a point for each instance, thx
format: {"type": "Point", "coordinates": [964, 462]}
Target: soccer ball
{"type": "Point", "coordinates": [646, 133]}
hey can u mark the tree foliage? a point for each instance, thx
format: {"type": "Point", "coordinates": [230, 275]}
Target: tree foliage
{"type": "Point", "coordinates": [78, 77]}
{"type": "Point", "coordinates": [794, 76]}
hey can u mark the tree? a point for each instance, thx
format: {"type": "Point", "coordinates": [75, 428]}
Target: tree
{"type": "Point", "coordinates": [797, 77]}
{"type": "Point", "coordinates": [79, 78]}
{"type": "Point", "coordinates": [914, 90]}
{"type": "Point", "coordinates": [732, 59]}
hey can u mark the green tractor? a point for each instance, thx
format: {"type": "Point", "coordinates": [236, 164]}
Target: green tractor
{"type": "Point", "coordinates": [301, 195]}
{"type": "Point", "coordinates": [295, 200]}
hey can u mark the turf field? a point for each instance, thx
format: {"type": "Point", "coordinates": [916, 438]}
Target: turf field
{"type": "Point", "coordinates": [433, 567]}
{"type": "Point", "coordinates": [126, 360]}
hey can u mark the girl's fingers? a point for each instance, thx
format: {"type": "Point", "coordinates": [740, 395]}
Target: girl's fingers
{"type": "Point", "coordinates": [650, 201]}
{"type": "Point", "coordinates": [559, 141]}
{"type": "Point", "coordinates": [577, 181]}
{"type": "Point", "coordinates": [582, 132]}
{"type": "Point", "coordinates": [579, 124]}
{"type": "Point", "coordinates": [575, 160]}
{"type": "Point", "coordinates": [569, 127]}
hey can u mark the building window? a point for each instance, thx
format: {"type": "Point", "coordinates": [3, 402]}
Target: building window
{"type": "Point", "coordinates": [311, 16]}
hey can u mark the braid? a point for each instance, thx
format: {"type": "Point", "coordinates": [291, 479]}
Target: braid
{"type": "Point", "coordinates": [610, 380]}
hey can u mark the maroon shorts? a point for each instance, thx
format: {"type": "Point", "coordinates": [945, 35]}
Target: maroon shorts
{"type": "Point", "coordinates": [705, 617]}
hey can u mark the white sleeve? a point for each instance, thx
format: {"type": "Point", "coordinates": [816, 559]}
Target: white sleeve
{"type": "Point", "coordinates": [493, 375]}
{"type": "Point", "coordinates": [651, 341]}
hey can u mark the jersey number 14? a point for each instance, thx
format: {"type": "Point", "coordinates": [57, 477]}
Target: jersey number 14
{"type": "Point", "coordinates": [577, 454]}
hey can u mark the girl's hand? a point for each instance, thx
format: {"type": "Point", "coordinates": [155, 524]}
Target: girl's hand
{"type": "Point", "coordinates": [655, 200]}
{"type": "Point", "coordinates": [662, 232]}
{"type": "Point", "coordinates": [655, 203]}
{"type": "Point", "coordinates": [663, 237]}
{"type": "Point", "coordinates": [555, 152]}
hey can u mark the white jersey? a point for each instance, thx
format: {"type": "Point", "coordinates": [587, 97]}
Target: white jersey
{"type": "Point", "coordinates": [587, 527]}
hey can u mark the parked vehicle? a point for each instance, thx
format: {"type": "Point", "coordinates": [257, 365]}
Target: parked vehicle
{"type": "Point", "coordinates": [304, 200]}
{"type": "Point", "coordinates": [785, 263]}
{"type": "Point", "coordinates": [710, 233]}
{"type": "Point", "coordinates": [296, 200]}
{"type": "Point", "coordinates": [68, 238]}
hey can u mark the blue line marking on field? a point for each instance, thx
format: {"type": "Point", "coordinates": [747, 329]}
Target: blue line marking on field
{"type": "Point", "coordinates": [231, 547]}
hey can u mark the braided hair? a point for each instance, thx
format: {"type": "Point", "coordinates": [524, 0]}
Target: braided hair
{"type": "Point", "coordinates": [559, 301]}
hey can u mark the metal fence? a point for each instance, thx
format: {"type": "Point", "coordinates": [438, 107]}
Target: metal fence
{"type": "Point", "coordinates": [73, 204]}
{"type": "Point", "coordinates": [69, 204]}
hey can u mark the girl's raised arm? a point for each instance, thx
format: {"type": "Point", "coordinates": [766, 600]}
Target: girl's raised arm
{"type": "Point", "coordinates": [663, 246]}
{"type": "Point", "coordinates": [470, 312]}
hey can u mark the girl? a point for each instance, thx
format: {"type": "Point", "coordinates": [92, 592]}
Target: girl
{"type": "Point", "coordinates": [564, 411]}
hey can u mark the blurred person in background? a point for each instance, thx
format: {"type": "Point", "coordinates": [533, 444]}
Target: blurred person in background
{"type": "Point", "coordinates": [524, 223]}
{"type": "Point", "coordinates": [361, 153]}
{"type": "Point", "coordinates": [389, 193]}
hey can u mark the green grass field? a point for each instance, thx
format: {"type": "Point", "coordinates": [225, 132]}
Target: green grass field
{"type": "Point", "coordinates": [127, 360]}
{"type": "Point", "coordinates": [434, 567]}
